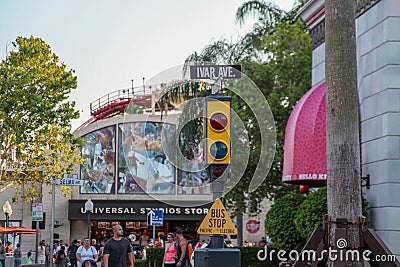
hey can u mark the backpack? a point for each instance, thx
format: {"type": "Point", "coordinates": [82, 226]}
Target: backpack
{"type": "Point", "coordinates": [72, 251]}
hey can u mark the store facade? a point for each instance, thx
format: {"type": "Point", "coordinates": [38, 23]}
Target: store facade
{"type": "Point", "coordinates": [129, 169]}
{"type": "Point", "coordinates": [132, 215]}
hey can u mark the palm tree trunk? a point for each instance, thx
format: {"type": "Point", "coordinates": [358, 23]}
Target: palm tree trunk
{"type": "Point", "coordinates": [342, 124]}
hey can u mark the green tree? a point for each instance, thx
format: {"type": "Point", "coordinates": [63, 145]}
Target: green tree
{"type": "Point", "coordinates": [279, 223]}
{"type": "Point", "coordinates": [276, 55]}
{"type": "Point", "coordinates": [35, 117]}
{"type": "Point", "coordinates": [310, 213]}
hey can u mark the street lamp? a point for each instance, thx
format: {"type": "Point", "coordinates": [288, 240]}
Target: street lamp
{"type": "Point", "coordinates": [89, 209]}
{"type": "Point", "coordinates": [8, 212]}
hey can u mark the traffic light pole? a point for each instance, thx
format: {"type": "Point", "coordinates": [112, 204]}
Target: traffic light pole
{"type": "Point", "coordinates": [217, 191]}
{"type": "Point", "coordinates": [217, 186]}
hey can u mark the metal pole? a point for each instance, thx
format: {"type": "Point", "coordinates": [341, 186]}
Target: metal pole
{"type": "Point", "coordinates": [154, 234]}
{"type": "Point", "coordinates": [7, 224]}
{"type": "Point", "coordinates": [53, 204]}
{"type": "Point", "coordinates": [217, 191]}
{"type": "Point", "coordinates": [88, 228]}
{"type": "Point", "coordinates": [37, 243]}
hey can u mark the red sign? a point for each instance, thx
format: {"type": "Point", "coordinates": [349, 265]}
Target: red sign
{"type": "Point", "coordinates": [252, 226]}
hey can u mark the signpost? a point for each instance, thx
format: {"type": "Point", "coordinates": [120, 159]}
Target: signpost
{"type": "Point", "coordinates": [217, 221]}
{"type": "Point", "coordinates": [214, 72]}
{"type": "Point", "coordinates": [252, 226]}
{"type": "Point", "coordinates": [37, 212]}
{"type": "Point", "coordinates": [67, 180]}
{"type": "Point", "coordinates": [155, 218]}
{"type": "Point", "coordinates": [70, 182]}
{"type": "Point", "coordinates": [37, 216]}
{"type": "Point", "coordinates": [70, 176]}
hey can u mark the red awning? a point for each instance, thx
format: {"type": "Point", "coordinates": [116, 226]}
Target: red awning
{"type": "Point", "coordinates": [305, 140]}
{"type": "Point", "coordinates": [16, 230]}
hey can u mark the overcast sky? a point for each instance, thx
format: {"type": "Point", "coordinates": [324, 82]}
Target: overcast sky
{"type": "Point", "coordinates": [109, 43]}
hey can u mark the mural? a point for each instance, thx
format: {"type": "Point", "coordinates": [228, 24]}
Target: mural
{"type": "Point", "coordinates": [98, 171]}
{"type": "Point", "coordinates": [142, 167]}
{"type": "Point", "coordinates": [194, 179]}
{"type": "Point", "coordinates": [142, 164]}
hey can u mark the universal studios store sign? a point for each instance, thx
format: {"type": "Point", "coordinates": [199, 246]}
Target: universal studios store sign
{"type": "Point", "coordinates": [135, 210]}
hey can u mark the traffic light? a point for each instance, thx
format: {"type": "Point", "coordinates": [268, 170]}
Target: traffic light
{"type": "Point", "coordinates": [218, 134]}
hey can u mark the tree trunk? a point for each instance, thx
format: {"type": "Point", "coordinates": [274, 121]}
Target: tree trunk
{"type": "Point", "coordinates": [342, 124]}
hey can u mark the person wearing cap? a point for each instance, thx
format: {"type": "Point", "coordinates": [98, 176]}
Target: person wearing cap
{"type": "Point", "coordinates": [2, 254]}
{"type": "Point", "coordinates": [182, 249]}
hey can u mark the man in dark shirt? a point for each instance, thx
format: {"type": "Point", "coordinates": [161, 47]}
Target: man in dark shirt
{"type": "Point", "coordinates": [118, 250]}
{"type": "Point", "coordinates": [182, 249]}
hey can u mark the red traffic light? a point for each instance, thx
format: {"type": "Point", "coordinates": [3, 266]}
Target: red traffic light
{"type": "Point", "coordinates": [218, 121]}
{"type": "Point", "coordinates": [218, 172]}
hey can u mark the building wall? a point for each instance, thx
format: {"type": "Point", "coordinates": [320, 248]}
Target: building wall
{"type": "Point", "coordinates": [378, 60]}
{"type": "Point", "coordinates": [254, 238]}
{"type": "Point", "coordinates": [22, 213]}
{"type": "Point", "coordinates": [378, 53]}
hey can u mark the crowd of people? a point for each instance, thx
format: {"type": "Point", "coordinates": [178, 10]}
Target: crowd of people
{"type": "Point", "coordinates": [116, 251]}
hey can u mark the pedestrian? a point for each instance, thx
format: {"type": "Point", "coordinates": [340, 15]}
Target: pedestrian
{"type": "Point", "coordinates": [171, 252]}
{"type": "Point", "coordinates": [101, 252]}
{"type": "Point", "coordinates": [182, 249]}
{"type": "Point", "coordinates": [8, 248]}
{"type": "Point", "coordinates": [95, 244]}
{"type": "Point", "coordinates": [86, 252]}
{"type": "Point", "coordinates": [41, 252]}
{"type": "Point", "coordinates": [118, 250]}
{"type": "Point", "coordinates": [72, 253]}
{"type": "Point", "coordinates": [61, 259]}
{"type": "Point", "coordinates": [17, 256]}
{"type": "Point", "coordinates": [2, 254]}
{"type": "Point", "coordinates": [29, 259]}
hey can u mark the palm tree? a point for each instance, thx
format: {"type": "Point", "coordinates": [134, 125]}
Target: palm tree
{"type": "Point", "coordinates": [276, 55]}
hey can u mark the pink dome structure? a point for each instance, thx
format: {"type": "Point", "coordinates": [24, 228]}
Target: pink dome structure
{"type": "Point", "coordinates": [305, 140]}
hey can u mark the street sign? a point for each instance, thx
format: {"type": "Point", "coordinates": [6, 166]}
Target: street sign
{"type": "Point", "coordinates": [155, 218]}
{"type": "Point", "coordinates": [70, 182]}
{"type": "Point", "coordinates": [214, 72]}
{"type": "Point", "coordinates": [37, 212]}
{"type": "Point", "coordinates": [253, 226]}
{"type": "Point", "coordinates": [217, 221]}
{"type": "Point", "coordinates": [70, 176]}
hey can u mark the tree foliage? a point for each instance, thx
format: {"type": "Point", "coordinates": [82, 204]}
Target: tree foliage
{"type": "Point", "coordinates": [35, 116]}
{"type": "Point", "coordinates": [310, 213]}
{"type": "Point", "coordinates": [280, 225]}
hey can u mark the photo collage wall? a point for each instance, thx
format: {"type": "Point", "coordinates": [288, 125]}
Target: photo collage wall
{"type": "Point", "coordinates": [142, 167]}
{"type": "Point", "coordinates": [98, 170]}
